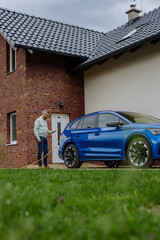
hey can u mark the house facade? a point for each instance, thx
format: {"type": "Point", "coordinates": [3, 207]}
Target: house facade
{"type": "Point", "coordinates": [122, 73]}
{"type": "Point", "coordinates": [128, 83]}
{"type": "Point", "coordinates": [71, 71]}
{"type": "Point", "coordinates": [39, 82]}
{"type": "Point", "coordinates": [35, 55]}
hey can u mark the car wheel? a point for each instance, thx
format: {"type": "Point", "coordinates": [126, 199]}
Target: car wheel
{"type": "Point", "coordinates": [71, 157]}
{"type": "Point", "coordinates": [112, 164]}
{"type": "Point", "coordinates": [139, 153]}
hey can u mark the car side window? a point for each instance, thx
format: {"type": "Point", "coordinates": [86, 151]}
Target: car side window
{"type": "Point", "coordinates": [75, 124]}
{"type": "Point", "coordinates": [88, 122]}
{"type": "Point", "coordinates": [122, 122]}
{"type": "Point", "coordinates": [80, 124]}
{"type": "Point", "coordinates": [105, 118]}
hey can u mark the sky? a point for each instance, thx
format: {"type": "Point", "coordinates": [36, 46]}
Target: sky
{"type": "Point", "coordinates": [101, 15]}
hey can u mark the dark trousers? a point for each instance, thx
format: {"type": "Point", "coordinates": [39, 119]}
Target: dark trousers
{"type": "Point", "coordinates": [42, 147]}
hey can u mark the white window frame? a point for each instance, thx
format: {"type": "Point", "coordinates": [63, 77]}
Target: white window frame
{"type": "Point", "coordinates": [11, 125]}
{"type": "Point", "coordinates": [10, 60]}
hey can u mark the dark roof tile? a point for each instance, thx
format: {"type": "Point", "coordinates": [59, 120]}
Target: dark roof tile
{"type": "Point", "coordinates": [148, 27]}
{"type": "Point", "coordinates": [54, 36]}
{"type": "Point", "coordinates": [47, 35]}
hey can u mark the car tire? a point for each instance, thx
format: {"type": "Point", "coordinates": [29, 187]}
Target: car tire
{"type": "Point", "coordinates": [139, 153]}
{"type": "Point", "coordinates": [112, 164]}
{"type": "Point", "coordinates": [71, 157]}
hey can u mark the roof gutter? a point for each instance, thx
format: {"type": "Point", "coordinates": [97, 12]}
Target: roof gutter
{"type": "Point", "coordinates": [50, 51]}
{"type": "Point", "coordinates": [105, 57]}
{"type": "Point", "coordinates": [15, 46]}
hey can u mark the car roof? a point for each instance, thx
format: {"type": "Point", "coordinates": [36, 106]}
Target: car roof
{"type": "Point", "coordinates": [110, 111]}
{"type": "Point", "coordinates": [102, 111]}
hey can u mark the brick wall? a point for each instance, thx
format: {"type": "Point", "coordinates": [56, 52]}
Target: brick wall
{"type": "Point", "coordinates": [12, 98]}
{"type": "Point", "coordinates": [39, 82]}
{"type": "Point", "coordinates": [47, 85]}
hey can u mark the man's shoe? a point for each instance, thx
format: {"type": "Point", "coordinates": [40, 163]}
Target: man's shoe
{"type": "Point", "coordinates": [40, 166]}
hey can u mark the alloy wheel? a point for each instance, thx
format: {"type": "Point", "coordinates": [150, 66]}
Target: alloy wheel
{"type": "Point", "coordinates": [70, 156]}
{"type": "Point", "coordinates": [138, 153]}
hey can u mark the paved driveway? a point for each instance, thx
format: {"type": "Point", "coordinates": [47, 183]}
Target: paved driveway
{"type": "Point", "coordinates": [89, 166]}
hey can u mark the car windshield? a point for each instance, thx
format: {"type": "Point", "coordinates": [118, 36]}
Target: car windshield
{"type": "Point", "coordinates": [139, 118]}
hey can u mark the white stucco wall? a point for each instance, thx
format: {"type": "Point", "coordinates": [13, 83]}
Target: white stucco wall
{"type": "Point", "coordinates": [131, 83]}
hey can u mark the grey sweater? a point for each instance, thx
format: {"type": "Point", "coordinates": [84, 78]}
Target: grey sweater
{"type": "Point", "coordinates": [41, 128]}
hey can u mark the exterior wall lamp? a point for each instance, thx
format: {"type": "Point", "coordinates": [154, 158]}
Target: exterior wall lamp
{"type": "Point", "coordinates": [61, 104]}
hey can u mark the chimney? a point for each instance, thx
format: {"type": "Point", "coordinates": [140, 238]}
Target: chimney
{"type": "Point", "coordinates": [133, 12]}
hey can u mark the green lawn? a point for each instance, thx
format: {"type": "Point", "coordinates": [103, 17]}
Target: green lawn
{"type": "Point", "coordinates": [79, 204]}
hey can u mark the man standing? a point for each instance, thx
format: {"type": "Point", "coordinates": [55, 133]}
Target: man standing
{"type": "Point", "coordinates": [41, 131]}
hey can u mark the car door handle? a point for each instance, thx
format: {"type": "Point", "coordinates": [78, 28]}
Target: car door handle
{"type": "Point", "coordinates": [78, 136]}
{"type": "Point", "coordinates": [97, 134]}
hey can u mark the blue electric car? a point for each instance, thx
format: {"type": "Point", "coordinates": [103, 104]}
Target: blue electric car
{"type": "Point", "coordinates": [111, 137]}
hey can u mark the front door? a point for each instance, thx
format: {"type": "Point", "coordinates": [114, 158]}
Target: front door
{"type": "Point", "coordinates": [108, 141]}
{"type": "Point", "coordinates": [59, 122]}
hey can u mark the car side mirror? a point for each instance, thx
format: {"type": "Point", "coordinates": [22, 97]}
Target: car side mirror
{"type": "Point", "coordinates": [113, 124]}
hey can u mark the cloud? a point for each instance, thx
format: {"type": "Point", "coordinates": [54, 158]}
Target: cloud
{"type": "Point", "coordinates": [149, 5]}
{"type": "Point", "coordinates": [109, 16]}
{"type": "Point", "coordinates": [37, 3]}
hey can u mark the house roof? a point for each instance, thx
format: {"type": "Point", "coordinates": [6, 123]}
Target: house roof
{"type": "Point", "coordinates": [31, 32]}
{"type": "Point", "coordinates": [25, 31]}
{"type": "Point", "coordinates": [133, 34]}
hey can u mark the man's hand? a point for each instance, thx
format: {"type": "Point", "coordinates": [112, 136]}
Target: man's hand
{"type": "Point", "coordinates": [39, 140]}
{"type": "Point", "coordinates": [54, 131]}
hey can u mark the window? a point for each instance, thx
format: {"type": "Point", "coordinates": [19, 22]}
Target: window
{"type": "Point", "coordinates": [80, 124]}
{"type": "Point", "coordinates": [131, 33]}
{"type": "Point", "coordinates": [13, 128]}
{"type": "Point", "coordinates": [11, 59]}
{"type": "Point", "coordinates": [139, 118]}
{"type": "Point", "coordinates": [90, 122]}
{"type": "Point", "coordinates": [58, 131]}
{"type": "Point", "coordinates": [104, 119]}
{"type": "Point", "coordinates": [74, 125]}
